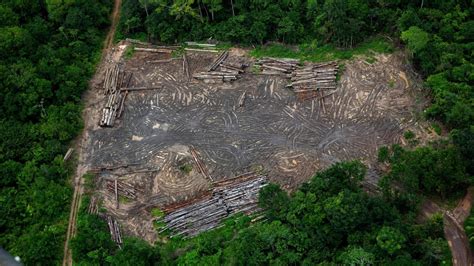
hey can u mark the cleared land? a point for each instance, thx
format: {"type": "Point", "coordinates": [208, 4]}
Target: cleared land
{"type": "Point", "coordinates": [179, 141]}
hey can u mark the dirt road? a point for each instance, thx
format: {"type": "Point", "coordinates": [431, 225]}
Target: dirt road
{"type": "Point", "coordinates": [457, 240]}
{"type": "Point", "coordinates": [79, 144]}
{"type": "Point", "coordinates": [453, 228]}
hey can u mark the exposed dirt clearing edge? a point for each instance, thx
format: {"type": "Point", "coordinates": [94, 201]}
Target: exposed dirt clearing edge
{"type": "Point", "coordinates": [80, 170]}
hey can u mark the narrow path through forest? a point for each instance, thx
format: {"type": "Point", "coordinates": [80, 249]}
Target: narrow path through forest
{"type": "Point", "coordinates": [81, 169]}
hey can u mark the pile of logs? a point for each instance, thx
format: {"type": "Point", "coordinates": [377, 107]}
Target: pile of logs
{"type": "Point", "coordinates": [315, 80]}
{"type": "Point", "coordinates": [114, 80]}
{"type": "Point", "coordinates": [241, 197]}
{"type": "Point", "coordinates": [117, 187]}
{"type": "Point", "coordinates": [114, 229]}
{"type": "Point", "coordinates": [221, 70]}
{"type": "Point", "coordinates": [227, 198]}
{"type": "Point", "coordinates": [277, 66]}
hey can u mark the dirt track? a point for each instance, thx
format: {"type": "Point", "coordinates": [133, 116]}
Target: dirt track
{"type": "Point", "coordinates": [453, 228]}
{"type": "Point", "coordinates": [79, 144]}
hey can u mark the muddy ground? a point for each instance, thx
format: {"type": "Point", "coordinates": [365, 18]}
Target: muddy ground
{"type": "Point", "coordinates": [273, 133]}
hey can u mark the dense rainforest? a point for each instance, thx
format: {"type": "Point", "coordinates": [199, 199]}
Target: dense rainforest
{"type": "Point", "coordinates": [48, 51]}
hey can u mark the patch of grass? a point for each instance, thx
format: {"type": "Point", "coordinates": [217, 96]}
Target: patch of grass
{"type": "Point", "coordinates": [124, 200]}
{"type": "Point", "coordinates": [391, 83]}
{"type": "Point", "coordinates": [178, 52]}
{"type": "Point", "coordinates": [158, 225]}
{"type": "Point", "coordinates": [371, 60]}
{"type": "Point", "coordinates": [316, 53]}
{"type": "Point", "coordinates": [186, 168]}
{"type": "Point", "coordinates": [128, 53]}
{"type": "Point", "coordinates": [276, 50]}
{"type": "Point", "coordinates": [157, 213]}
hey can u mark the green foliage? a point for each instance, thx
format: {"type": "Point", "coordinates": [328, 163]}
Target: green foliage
{"type": "Point", "coordinates": [129, 51]}
{"type": "Point", "coordinates": [441, 45]}
{"type": "Point", "coordinates": [437, 128]}
{"type": "Point", "coordinates": [383, 154]}
{"type": "Point", "coordinates": [416, 38]}
{"type": "Point", "coordinates": [357, 256]}
{"type": "Point", "coordinates": [48, 50]}
{"type": "Point", "coordinates": [469, 227]}
{"type": "Point", "coordinates": [408, 135]}
{"type": "Point", "coordinates": [135, 252]}
{"type": "Point", "coordinates": [47, 55]}
{"type": "Point", "coordinates": [157, 213]}
{"type": "Point", "coordinates": [329, 220]}
{"type": "Point", "coordinates": [341, 23]}
{"type": "Point", "coordinates": [315, 53]}
{"type": "Point", "coordinates": [92, 245]}
{"type": "Point", "coordinates": [390, 239]}
{"type": "Point", "coordinates": [436, 172]}
{"type": "Point", "coordinates": [186, 168]}
{"type": "Point", "coordinates": [89, 180]}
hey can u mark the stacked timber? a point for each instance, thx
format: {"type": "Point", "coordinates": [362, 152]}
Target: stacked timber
{"type": "Point", "coordinates": [114, 229]}
{"type": "Point", "coordinates": [314, 77]}
{"type": "Point", "coordinates": [277, 66]}
{"type": "Point", "coordinates": [120, 188]}
{"type": "Point", "coordinates": [227, 198]}
{"type": "Point", "coordinates": [241, 197]}
{"type": "Point", "coordinates": [221, 70]}
{"type": "Point", "coordinates": [114, 80]}
{"type": "Point", "coordinates": [315, 80]}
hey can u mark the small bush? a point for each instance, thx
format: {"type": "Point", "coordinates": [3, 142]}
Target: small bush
{"type": "Point", "coordinates": [409, 135]}
{"type": "Point", "coordinates": [383, 154]}
{"type": "Point", "coordinates": [186, 168]}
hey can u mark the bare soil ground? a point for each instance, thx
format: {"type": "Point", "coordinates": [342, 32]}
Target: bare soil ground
{"type": "Point", "coordinates": [272, 133]}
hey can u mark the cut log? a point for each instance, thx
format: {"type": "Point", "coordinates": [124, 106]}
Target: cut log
{"type": "Point", "coordinates": [200, 44]}
{"type": "Point", "coordinates": [200, 50]}
{"type": "Point", "coordinates": [186, 66]}
{"type": "Point", "coordinates": [68, 154]}
{"type": "Point", "coordinates": [131, 89]}
{"type": "Point", "coordinates": [153, 50]}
